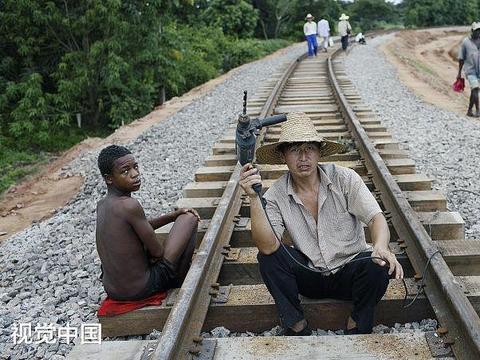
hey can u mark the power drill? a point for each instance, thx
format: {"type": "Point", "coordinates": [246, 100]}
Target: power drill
{"type": "Point", "coordinates": [245, 138]}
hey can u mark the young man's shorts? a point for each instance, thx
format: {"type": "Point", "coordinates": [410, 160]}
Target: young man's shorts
{"type": "Point", "coordinates": [162, 278]}
{"type": "Point", "coordinates": [473, 81]}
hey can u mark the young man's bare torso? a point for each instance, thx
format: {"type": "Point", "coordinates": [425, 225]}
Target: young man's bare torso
{"type": "Point", "coordinates": [125, 261]}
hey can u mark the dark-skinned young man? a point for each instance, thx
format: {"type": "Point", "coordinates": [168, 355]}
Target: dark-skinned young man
{"type": "Point", "coordinates": [135, 264]}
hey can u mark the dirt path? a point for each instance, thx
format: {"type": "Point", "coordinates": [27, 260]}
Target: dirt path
{"type": "Point", "coordinates": [426, 62]}
{"type": "Point", "coordinates": [38, 195]}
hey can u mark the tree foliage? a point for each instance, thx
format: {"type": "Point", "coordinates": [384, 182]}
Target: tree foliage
{"type": "Point", "coordinates": [107, 60]}
{"type": "Point", "coordinates": [281, 18]}
{"type": "Point", "coordinates": [372, 14]}
{"type": "Point", "coordinates": [234, 17]}
{"type": "Point", "coordinates": [421, 13]}
{"type": "Point", "coordinates": [110, 60]}
{"type": "Point", "coordinates": [59, 58]}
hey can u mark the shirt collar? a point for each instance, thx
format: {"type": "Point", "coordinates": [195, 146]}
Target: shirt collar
{"type": "Point", "coordinates": [325, 182]}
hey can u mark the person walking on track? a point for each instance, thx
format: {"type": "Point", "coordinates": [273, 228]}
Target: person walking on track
{"type": "Point", "coordinates": [323, 28]}
{"type": "Point", "coordinates": [344, 29]}
{"type": "Point", "coordinates": [310, 31]}
{"type": "Point", "coordinates": [469, 60]}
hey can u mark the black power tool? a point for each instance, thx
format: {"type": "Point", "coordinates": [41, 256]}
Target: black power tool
{"type": "Point", "coordinates": [245, 139]}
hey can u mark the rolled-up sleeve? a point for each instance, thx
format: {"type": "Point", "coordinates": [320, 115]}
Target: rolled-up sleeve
{"type": "Point", "coordinates": [360, 201]}
{"type": "Point", "coordinates": [276, 219]}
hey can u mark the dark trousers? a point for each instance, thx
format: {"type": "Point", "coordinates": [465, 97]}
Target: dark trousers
{"type": "Point", "coordinates": [344, 40]}
{"type": "Point", "coordinates": [363, 282]}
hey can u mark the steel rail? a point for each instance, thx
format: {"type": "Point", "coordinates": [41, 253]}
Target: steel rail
{"type": "Point", "coordinates": [186, 318]}
{"type": "Point", "coordinates": [450, 304]}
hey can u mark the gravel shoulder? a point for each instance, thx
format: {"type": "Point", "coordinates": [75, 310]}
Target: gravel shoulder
{"type": "Point", "coordinates": [444, 144]}
{"type": "Point", "coordinates": [49, 271]}
{"type": "Point", "coordinates": [426, 62]}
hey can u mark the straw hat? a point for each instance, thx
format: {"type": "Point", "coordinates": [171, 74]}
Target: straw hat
{"type": "Point", "coordinates": [309, 16]}
{"type": "Point", "coordinates": [344, 17]}
{"type": "Point", "coordinates": [475, 26]}
{"type": "Point", "coordinates": [298, 128]}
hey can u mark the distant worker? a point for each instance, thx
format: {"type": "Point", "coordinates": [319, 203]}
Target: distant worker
{"type": "Point", "coordinates": [359, 38]}
{"type": "Point", "coordinates": [468, 59]}
{"type": "Point", "coordinates": [310, 31]}
{"type": "Point", "coordinates": [324, 33]}
{"type": "Point", "coordinates": [344, 29]}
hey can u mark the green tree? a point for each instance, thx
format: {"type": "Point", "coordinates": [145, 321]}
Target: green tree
{"type": "Point", "coordinates": [235, 17]}
{"type": "Point", "coordinates": [280, 18]}
{"type": "Point", "coordinates": [102, 59]}
{"type": "Point", "coordinates": [424, 13]}
{"type": "Point", "coordinates": [275, 16]}
{"type": "Point", "coordinates": [371, 14]}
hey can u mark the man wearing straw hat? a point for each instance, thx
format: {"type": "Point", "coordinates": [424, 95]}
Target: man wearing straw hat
{"type": "Point", "coordinates": [318, 208]}
{"type": "Point", "coordinates": [310, 31]}
{"type": "Point", "coordinates": [344, 30]}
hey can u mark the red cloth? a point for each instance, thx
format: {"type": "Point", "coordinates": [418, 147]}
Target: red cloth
{"type": "Point", "coordinates": [110, 307]}
{"type": "Point", "coordinates": [459, 85]}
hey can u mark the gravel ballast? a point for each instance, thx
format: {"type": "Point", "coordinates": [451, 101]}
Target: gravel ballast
{"type": "Point", "coordinates": [444, 145]}
{"type": "Point", "coordinates": [422, 326]}
{"type": "Point", "coordinates": [49, 272]}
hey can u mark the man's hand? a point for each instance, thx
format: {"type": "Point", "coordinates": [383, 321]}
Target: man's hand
{"type": "Point", "coordinates": [248, 177]}
{"type": "Point", "coordinates": [181, 211]}
{"type": "Point", "coordinates": [395, 267]}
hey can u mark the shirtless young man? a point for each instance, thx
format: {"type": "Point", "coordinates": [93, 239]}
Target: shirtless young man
{"type": "Point", "coordinates": [135, 264]}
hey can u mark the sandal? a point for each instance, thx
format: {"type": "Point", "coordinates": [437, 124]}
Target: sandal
{"type": "Point", "coordinates": [289, 332]}
{"type": "Point", "coordinates": [352, 331]}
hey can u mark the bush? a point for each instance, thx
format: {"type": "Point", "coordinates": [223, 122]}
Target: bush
{"type": "Point", "coordinates": [239, 52]}
{"type": "Point", "coordinates": [202, 53]}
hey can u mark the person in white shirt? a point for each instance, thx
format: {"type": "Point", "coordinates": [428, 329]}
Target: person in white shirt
{"type": "Point", "coordinates": [359, 38]}
{"type": "Point", "coordinates": [344, 30]}
{"type": "Point", "coordinates": [310, 31]}
{"type": "Point", "coordinates": [324, 33]}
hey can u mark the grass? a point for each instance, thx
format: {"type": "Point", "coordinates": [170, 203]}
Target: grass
{"type": "Point", "coordinates": [16, 165]}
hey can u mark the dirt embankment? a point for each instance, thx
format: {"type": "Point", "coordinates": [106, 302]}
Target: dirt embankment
{"type": "Point", "coordinates": [426, 61]}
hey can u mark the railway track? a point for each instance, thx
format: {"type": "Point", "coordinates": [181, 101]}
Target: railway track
{"type": "Point", "coordinates": [224, 287]}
